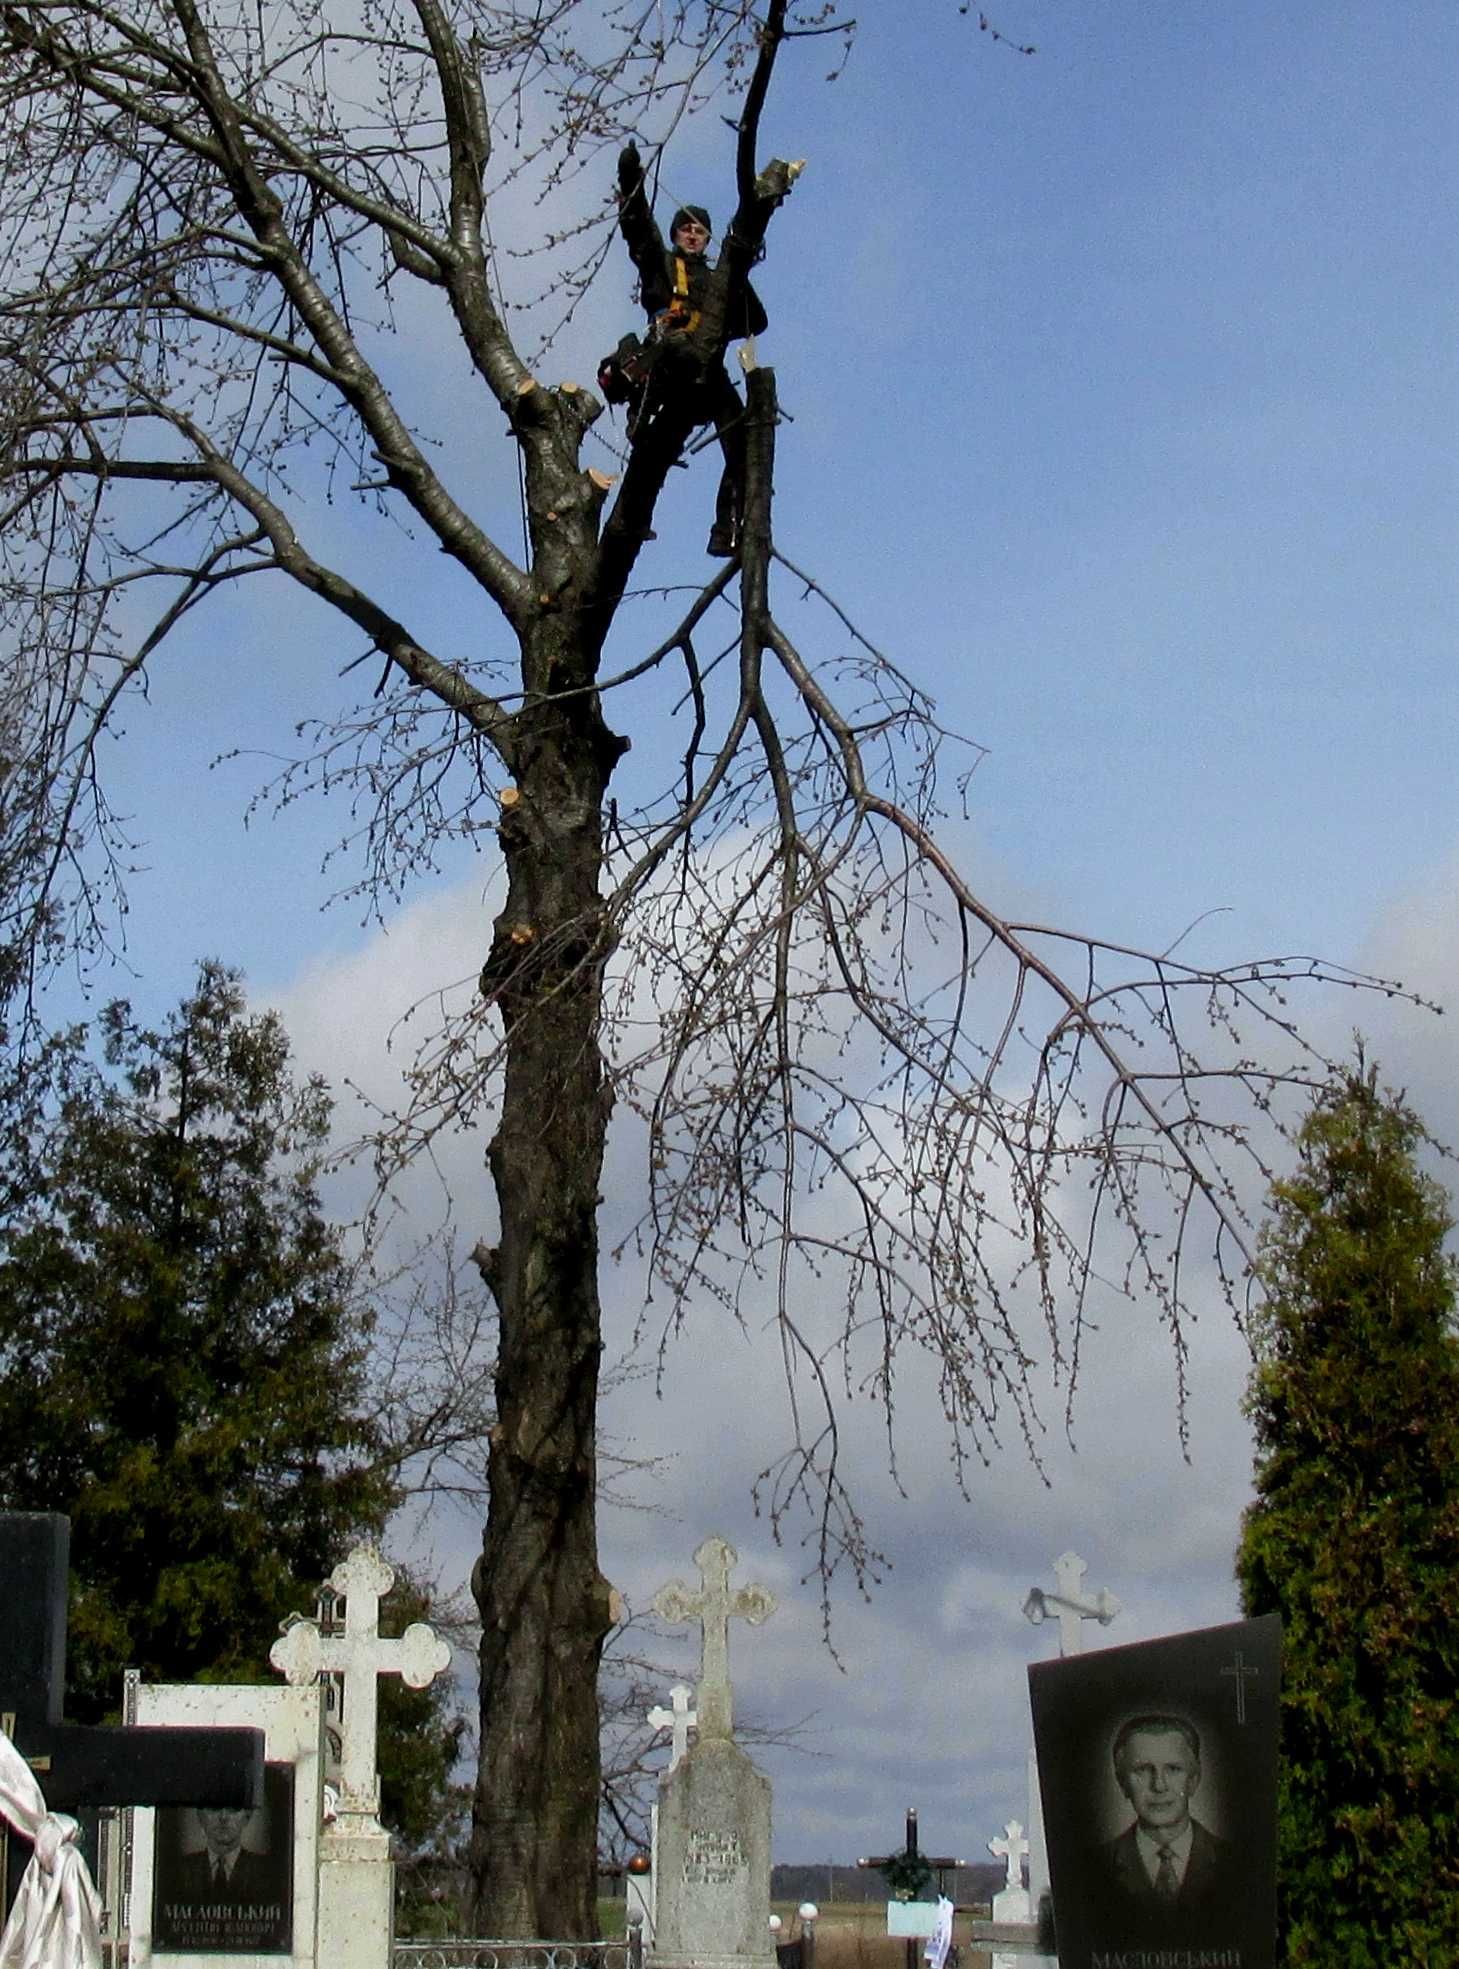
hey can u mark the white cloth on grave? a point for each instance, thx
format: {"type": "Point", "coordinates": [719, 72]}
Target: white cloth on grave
{"type": "Point", "coordinates": [54, 1922]}
{"type": "Point", "coordinates": [940, 1940]}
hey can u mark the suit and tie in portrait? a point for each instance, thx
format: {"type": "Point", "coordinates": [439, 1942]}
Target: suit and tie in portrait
{"type": "Point", "coordinates": [242, 1878]}
{"type": "Point", "coordinates": [223, 1878]}
{"type": "Point", "coordinates": [1166, 1875]}
{"type": "Point", "coordinates": [1158, 1776]}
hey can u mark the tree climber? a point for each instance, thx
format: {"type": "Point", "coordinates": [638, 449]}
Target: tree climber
{"type": "Point", "coordinates": [693, 310]}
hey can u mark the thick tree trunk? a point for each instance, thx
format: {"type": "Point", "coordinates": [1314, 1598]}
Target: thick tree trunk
{"type": "Point", "coordinates": [545, 1607]}
{"type": "Point", "coordinates": [544, 1604]}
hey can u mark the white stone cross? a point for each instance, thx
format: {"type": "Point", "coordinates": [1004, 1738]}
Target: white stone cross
{"type": "Point", "coordinates": [714, 1605]}
{"type": "Point", "coordinates": [1010, 1849]}
{"type": "Point", "coordinates": [359, 1656]}
{"type": "Point", "coordinates": [1069, 1606]}
{"type": "Point", "coordinates": [681, 1719]}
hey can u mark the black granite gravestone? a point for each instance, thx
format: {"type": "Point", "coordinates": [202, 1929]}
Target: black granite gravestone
{"type": "Point", "coordinates": [1158, 1767]}
{"type": "Point", "coordinates": [76, 1765]}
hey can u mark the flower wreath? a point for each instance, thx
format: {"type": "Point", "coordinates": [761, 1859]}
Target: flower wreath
{"type": "Point", "coordinates": [907, 1874]}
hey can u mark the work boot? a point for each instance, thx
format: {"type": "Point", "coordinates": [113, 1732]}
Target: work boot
{"type": "Point", "coordinates": [723, 545]}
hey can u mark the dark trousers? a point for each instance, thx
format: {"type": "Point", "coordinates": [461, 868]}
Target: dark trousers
{"type": "Point", "coordinates": [679, 389]}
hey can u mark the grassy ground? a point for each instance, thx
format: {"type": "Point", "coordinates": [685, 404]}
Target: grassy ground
{"type": "Point", "coordinates": [853, 1935]}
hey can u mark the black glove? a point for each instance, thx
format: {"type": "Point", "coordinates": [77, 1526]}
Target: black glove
{"type": "Point", "coordinates": [630, 169]}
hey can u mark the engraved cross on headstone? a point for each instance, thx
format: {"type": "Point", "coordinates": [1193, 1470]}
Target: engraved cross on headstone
{"type": "Point", "coordinates": [681, 1719]}
{"type": "Point", "coordinates": [359, 1656]}
{"type": "Point", "coordinates": [1010, 1849]}
{"type": "Point", "coordinates": [1070, 1606]}
{"type": "Point", "coordinates": [1242, 1669]}
{"type": "Point", "coordinates": [714, 1606]}
{"type": "Point", "coordinates": [77, 1765]}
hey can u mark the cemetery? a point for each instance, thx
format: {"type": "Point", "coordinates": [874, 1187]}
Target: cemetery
{"type": "Point", "coordinates": [246, 1831]}
{"type": "Point", "coordinates": [239, 1824]}
{"type": "Point", "coordinates": [790, 1031]}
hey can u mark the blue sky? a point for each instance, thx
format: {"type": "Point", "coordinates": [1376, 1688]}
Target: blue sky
{"type": "Point", "coordinates": [1124, 390]}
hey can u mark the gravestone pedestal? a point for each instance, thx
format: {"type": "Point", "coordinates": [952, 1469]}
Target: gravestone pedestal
{"type": "Point", "coordinates": [712, 1873]}
{"type": "Point", "coordinates": [1011, 1905]}
{"type": "Point", "coordinates": [356, 1894]}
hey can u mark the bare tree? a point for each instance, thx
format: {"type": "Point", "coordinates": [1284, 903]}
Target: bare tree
{"type": "Point", "coordinates": [866, 1092]}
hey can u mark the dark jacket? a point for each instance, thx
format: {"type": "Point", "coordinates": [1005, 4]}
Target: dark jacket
{"type": "Point", "coordinates": [256, 1878]}
{"type": "Point", "coordinates": [1209, 1896]}
{"type": "Point", "coordinates": [656, 262]}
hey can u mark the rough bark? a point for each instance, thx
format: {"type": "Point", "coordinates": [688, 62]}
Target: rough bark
{"type": "Point", "coordinates": [545, 1607]}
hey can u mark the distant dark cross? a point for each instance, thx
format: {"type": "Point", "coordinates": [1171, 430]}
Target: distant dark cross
{"type": "Point", "coordinates": [76, 1765]}
{"type": "Point", "coordinates": [939, 1866]}
{"type": "Point", "coordinates": [1240, 1668]}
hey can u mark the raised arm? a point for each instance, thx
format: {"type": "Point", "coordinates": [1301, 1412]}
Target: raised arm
{"type": "Point", "coordinates": [636, 221]}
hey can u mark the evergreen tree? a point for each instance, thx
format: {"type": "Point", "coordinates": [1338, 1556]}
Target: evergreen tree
{"type": "Point", "coordinates": [182, 1356]}
{"type": "Point", "coordinates": [423, 1738]}
{"type": "Point", "coordinates": [183, 1372]}
{"type": "Point", "coordinates": [1354, 1537]}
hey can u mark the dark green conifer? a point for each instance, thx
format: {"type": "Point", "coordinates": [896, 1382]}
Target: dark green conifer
{"type": "Point", "coordinates": [183, 1367]}
{"type": "Point", "coordinates": [1354, 1538]}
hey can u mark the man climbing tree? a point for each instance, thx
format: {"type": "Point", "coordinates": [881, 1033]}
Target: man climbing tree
{"type": "Point", "coordinates": [680, 292]}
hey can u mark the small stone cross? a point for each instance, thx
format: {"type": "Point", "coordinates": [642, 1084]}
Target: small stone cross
{"type": "Point", "coordinates": [681, 1719]}
{"type": "Point", "coordinates": [1010, 1849]}
{"type": "Point", "coordinates": [359, 1656]}
{"type": "Point", "coordinates": [1070, 1606]}
{"type": "Point", "coordinates": [713, 1606]}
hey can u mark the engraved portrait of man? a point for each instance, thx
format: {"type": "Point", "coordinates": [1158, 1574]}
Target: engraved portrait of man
{"type": "Point", "coordinates": [1167, 1873]}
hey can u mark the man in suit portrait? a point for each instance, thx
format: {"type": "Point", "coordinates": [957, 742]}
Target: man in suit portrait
{"type": "Point", "coordinates": [225, 1869]}
{"type": "Point", "coordinates": [1166, 1875]}
{"type": "Point", "coordinates": [222, 1881]}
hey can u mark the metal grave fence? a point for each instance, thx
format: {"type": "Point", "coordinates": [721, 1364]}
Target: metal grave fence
{"type": "Point", "coordinates": [626, 1953]}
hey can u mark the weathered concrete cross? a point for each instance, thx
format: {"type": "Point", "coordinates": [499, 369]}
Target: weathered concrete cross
{"type": "Point", "coordinates": [681, 1719]}
{"type": "Point", "coordinates": [714, 1606]}
{"type": "Point", "coordinates": [359, 1656]}
{"type": "Point", "coordinates": [77, 1765]}
{"type": "Point", "coordinates": [1010, 1849]}
{"type": "Point", "coordinates": [1069, 1606]}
